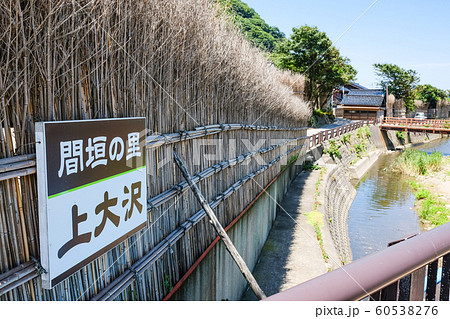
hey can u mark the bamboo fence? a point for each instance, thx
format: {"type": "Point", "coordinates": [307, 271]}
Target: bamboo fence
{"type": "Point", "coordinates": [180, 64]}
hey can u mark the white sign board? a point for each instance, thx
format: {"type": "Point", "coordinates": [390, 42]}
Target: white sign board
{"type": "Point", "coordinates": [92, 190]}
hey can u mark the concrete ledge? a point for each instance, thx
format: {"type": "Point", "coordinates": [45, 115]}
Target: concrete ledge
{"type": "Point", "coordinates": [358, 170]}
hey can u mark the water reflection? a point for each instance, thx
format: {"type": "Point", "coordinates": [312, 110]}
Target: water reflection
{"type": "Point", "coordinates": [442, 146]}
{"type": "Point", "coordinates": [382, 210]}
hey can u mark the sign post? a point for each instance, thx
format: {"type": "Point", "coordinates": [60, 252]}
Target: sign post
{"type": "Point", "coordinates": [92, 187]}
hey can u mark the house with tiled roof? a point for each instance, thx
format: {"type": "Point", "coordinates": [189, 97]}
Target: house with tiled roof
{"type": "Point", "coordinates": [363, 104]}
{"type": "Point", "coordinates": [338, 94]}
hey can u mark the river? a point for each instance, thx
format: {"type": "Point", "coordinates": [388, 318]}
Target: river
{"type": "Point", "coordinates": [383, 207]}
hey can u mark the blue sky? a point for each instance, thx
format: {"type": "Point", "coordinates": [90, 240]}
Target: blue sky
{"type": "Point", "coordinates": [414, 34]}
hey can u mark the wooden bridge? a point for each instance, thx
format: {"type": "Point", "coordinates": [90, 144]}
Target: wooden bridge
{"type": "Point", "coordinates": [415, 125]}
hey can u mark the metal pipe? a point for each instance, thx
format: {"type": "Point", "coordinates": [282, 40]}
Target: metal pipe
{"type": "Point", "coordinates": [374, 272]}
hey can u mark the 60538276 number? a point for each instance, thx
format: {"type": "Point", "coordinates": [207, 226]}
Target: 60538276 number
{"type": "Point", "coordinates": [407, 310]}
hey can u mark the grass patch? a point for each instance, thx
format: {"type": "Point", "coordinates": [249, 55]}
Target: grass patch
{"type": "Point", "coordinates": [414, 162]}
{"type": "Point", "coordinates": [401, 136]}
{"type": "Point", "coordinates": [333, 150]}
{"type": "Point", "coordinates": [434, 211]}
{"type": "Point", "coordinates": [311, 167]}
{"type": "Point", "coordinates": [315, 218]}
{"type": "Point", "coordinates": [360, 133]}
{"type": "Point", "coordinates": [291, 160]}
{"type": "Point", "coordinates": [367, 131]}
{"type": "Point", "coordinates": [422, 194]}
{"type": "Point", "coordinates": [359, 149]}
{"type": "Point", "coordinates": [431, 210]}
{"type": "Point", "coordinates": [346, 138]}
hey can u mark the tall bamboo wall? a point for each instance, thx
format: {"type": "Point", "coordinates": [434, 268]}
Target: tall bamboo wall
{"type": "Point", "coordinates": [180, 64]}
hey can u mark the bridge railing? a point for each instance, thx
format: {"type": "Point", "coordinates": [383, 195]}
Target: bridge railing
{"type": "Point", "coordinates": [412, 122]}
{"type": "Point", "coordinates": [326, 135]}
{"type": "Point", "coordinates": [414, 269]}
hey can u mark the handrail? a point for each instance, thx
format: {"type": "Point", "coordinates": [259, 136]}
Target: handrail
{"type": "Point", "coordinates": [415, 122]}
{"type": "Point", "coordinates": [319, 138]}
{"type": "Point", "coordinates": [416, 125]}
{"type": "Point", "coordinates": [368, 275]}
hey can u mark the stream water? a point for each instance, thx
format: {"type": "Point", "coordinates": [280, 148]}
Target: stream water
{"type": "Point", "coordinates": [382, 211]}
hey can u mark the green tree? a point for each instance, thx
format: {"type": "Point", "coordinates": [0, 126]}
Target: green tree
{"type": "Point", "coordinates": [430, 94]}
{"type": "Point", "coordinates": [252, 25]}
{"type": "Point", "coordinates": [401, 83]}
{"type": "Point", "coordinates": [310, 52]}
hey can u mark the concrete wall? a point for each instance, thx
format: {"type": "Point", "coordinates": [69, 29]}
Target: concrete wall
{"type": "Point", "coordinates": [411, 138]}
{"type": "Point", "coordinates": [217, 277]}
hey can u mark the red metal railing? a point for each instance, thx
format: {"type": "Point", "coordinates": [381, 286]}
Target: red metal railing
{"type": "Point", "coordinates": [411, 124]}
{"type": "Point", "coordinates": [409, 270]}
{"type": "Point", "coordinates": [320, 137]}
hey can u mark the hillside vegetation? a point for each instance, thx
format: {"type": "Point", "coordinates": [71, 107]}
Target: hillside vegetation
{"type": "Point", "coordinates": [252, 25]}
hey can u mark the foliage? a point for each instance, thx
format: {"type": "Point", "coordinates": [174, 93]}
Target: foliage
{"type": "Point", "coordinates": [401, 82]}
{"type": "Point", "coordinates": [400, 135]}
{"type": "Point", "coordinates": [431, 210]}
{"type": "Point", "coordinates": [318, 114]}
{"type": "Point", "coordinates": [291, 160]}
{"type": "Point", "coordinates": [367, 132]}
{"type": "Point", "coordinates": [346, 138]}
{"type": "Point", "coordinates": [359, 149]}
{"type": "Point", "coordinates": [430, 94]}
{"type": "Point", "coordinates": [414, 162]}
{"type": "Point", "coordinates": [324, 113]}
{"type": "Point", "coordinates": [414, 185]}
{"type": "Point", "coordinates": [434, 211]}
{"type": "Point", "coordinates": [311, 167]}
{"type": "Point", "coordinates": [363, 132]}
{"type": "Point", "coordinates": [422, 194]}
{"type": "Point", "coordinates": [333, 150]}
{"type": "Point", "coordinates": [360, 133]}
{"type": "Point", "coordinates": [167, 285]}
{"type": "Point", "coordinates": [253, 26]}
{"type": "Point", "coordinates": [310, 52]}
{"type": "Point", "coordinates": [315, 218]}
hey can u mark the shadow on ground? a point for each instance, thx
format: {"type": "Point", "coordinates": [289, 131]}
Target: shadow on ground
{"type": "Point", "coordinates": [270, 271]}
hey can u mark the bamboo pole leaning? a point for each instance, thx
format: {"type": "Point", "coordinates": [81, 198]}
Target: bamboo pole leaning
{"type": "Point", "coordinates": [220, 230]}
{"type": "Point", "coordinates": [118, 285]}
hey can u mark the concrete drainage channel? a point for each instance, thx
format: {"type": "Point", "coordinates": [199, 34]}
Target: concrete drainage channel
{"type": "Point", "coordinates": [310, 235]}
